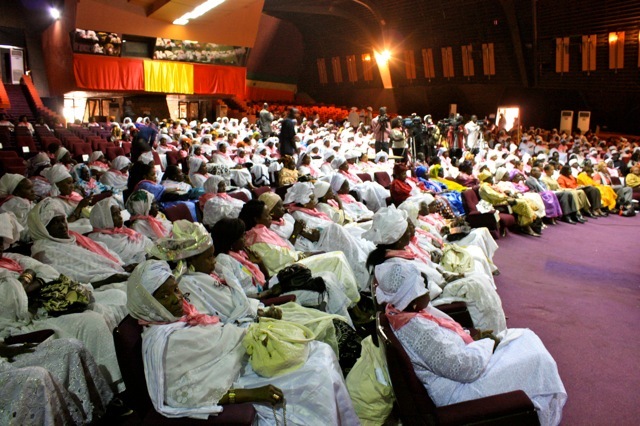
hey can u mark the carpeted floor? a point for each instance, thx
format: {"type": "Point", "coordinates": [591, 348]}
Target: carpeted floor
{"type": "Point", "coordinates": [578, 288]}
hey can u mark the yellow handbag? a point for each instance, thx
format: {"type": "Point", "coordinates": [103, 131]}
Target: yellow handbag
{"type": "Point", "coordinates": [276, 347]}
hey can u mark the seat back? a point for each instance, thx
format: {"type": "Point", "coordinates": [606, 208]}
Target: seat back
{"type": "Point", "coordinates": [365, 177]}
{"type": "Point", "coordinates": [383, 179]}
{"type": "Point", "coordinates": [414, 403]}
{"type": "Point", "coordinates": [113, 152]}
{"type": "Point", "coordinates": [239, 195]}
{"type": "Point", "coordinates": [257, 192]}
{"type": "Point", "coordinates": [177, 212]}
{"type": "Point", "coordinates": [127, 337]}
{"type": "Point", "coordinates": [470, 201]}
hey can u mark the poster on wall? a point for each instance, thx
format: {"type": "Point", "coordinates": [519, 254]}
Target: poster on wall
{"type": "Point", "coordinates": [205, 53]}
{"type": "Point", "coordinates": [96, 42]}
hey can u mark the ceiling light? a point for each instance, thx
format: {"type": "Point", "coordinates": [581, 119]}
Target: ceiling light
{"type": "Point", "coordinates": [197, 11]}
{"type": "Point", "coordinates": [55, 13]}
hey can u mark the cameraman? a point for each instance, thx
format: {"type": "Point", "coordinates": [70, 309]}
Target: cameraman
{"type": "Point", "coordinates": [431, 135]}
{"type": "Point", "coordinates": [381, 127]}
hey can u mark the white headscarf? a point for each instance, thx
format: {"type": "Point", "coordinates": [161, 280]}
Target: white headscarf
{"type": "Point", "coordinates": [388, 226]}
{"type": "Point", "coordinates": [100, 216]}
{"type": "Point", "coordinates": [412, 208]}
{"type": "Point", "coordinates": [337, 162]}
{"type": "Point", "coordinates": [9, 182]}
{"type": "Point", "coordinates": [320, 188]}
{"type": "Point", "coordinates": [139, 203]}
{"type": "Point", "coordinates": [120, 162]}
{"type": "Point", "coordinates": [95, 155]}
{"type": "Point", "coordinates": [40, 216]}
{"type": "Point", "coordinates": [211, 184]}
{"type": "Point", "coordinates": [61, 152]}
{"type": "Point", "coordinates": [336, 182]}
{"type": "Point", "coordinates": [399, 283]}
{"type": "Point", "coordinates": [143, 282]}
{"type": "Point", "coordinates": [9, 229]}
{"type": "Point", "coordinates": [500, 172]}
{"type": "Point", "coordinates": [380, 155]}
{"type": "Point", "coordinates": [54, 174]}
{"type": "Point", "coordinates": [299, 193]}
{"type": "Point", "coordinates": [189, 239]}
{"type": "Point", "coordinates": [194, 164]}
{"type": "Point", "coordinates": [328, 154]}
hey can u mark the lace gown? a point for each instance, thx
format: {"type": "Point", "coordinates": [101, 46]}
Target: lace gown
{"type": "Point", "coordinates": [454, 372]}
{"type": "Point", "coordinates": [59, 383]}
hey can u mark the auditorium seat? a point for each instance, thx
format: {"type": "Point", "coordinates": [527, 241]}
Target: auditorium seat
{"type": "Point", "coordinates": [383, 179]}
{"type": "Point", "coordinates": [415, 406]}
{"type": "Point", "coordinates": [127, 337]}
{"type": "Point", "coordinates": [365, 177]}
{"type": "Point", "coordinates": [113, 152]}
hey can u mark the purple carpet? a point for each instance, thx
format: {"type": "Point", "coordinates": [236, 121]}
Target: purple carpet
{"type": "Point", "coordinates": [578, 288]}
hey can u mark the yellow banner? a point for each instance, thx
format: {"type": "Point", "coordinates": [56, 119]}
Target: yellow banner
{"type": "Point", "coordinates": [168, 77]}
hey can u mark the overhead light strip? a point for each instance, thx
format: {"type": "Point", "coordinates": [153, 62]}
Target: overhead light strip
{"type": "Point", "coordinates": [198, 11]}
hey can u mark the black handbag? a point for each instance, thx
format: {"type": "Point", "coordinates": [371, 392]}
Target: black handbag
{"type": "Point", "coordinates": [298, 277]}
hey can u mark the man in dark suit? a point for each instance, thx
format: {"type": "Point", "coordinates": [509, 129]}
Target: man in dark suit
{"type": "Point", "coordinates": [288, 133]}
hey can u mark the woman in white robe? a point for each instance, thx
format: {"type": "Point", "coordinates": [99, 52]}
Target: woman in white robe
{"type": "Point", "coordinates": [62, 190]}
{"type": "Point", "coordinates": [198, 172]}
{"type": "Point", "coordinates": [74, 255]}
{"type": "Point", "coordinates": [145, 217]}
{"type": "Point", "coordinates": [109, 229]}
{"type": "Point", "coordinates": [354, 210]}
{"type": "Point", "coordinates": [455, 368]}
{"type": "Point", "coordinates": [393, 235]}
{"type": "Point", "coordinates": [58, 383]}
{"type": "Point", "coordinates": [216, 203]}
{"type": "Point", "coordinates": [192, 361]}
{"type": "Point", "coordinates": [301, 201]}
{"type": "Point", "coordinates": [18, 196]}
{"type": "Point", "coordinates": [372, 193]}
{"type": "Point", "coordinates": [117, 176]}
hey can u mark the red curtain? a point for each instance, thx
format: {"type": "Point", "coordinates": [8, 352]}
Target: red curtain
{"type": "Point", "coordinates": [108, 73]}
{"type": "Point", "coordinates": [218, 79]}
{"type": "Point", "coordinates": [265, 94]}
{"type": "Point", "coordinates": [4, 98]}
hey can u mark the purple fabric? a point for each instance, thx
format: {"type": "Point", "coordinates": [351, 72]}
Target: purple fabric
{"type": "Point", "coordinates": [577, 288]}
{"type": "Point", "coordinates": [551, 204]}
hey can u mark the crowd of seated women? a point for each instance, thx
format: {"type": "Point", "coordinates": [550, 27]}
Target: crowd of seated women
{"type": "Point", "coordinates": [87, 244]}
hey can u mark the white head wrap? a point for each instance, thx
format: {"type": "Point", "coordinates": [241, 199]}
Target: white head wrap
{"type": "Point", "coordinates": [399, 284]}
{"type": "Point", "coordinates": [320, 188]}
{"type": "Point", "coordinates": [211, 184]}
{"type": "Point", "coordinates": [95, 155]}
{"type": "Point", "coordinates": [573, 162]}
{"type": "Point", "coordinates": [120, 162]}
{"type": "Point", "coordinates": [412, 208]}
{"type": "Point", "coordinates": [189, 239]}
{"type": "Point", "coordinates": [194, 164]}
{"type": "Point", "coordinates": [337, 162]}
{"type": "Point", "coordinates": [299, 193]}
{"type": "Point", "coordinates": [337, 180]}
{"type": "Point", "coordinates": [388, 226]}
{"type": "Point", "coordinates": [139, 203]}
{"type": "Point", "coordinates": [500, 172]}
{"type": "Point", "coordinates": [9, 182]}
{"type": "Point", "coordinates": [100, 216]}
{"type": "Point", "coordinates": [380, 155]}
{"type": "Point", "coordinates": [9, 229]}
{"type": "Point", "coordinates": [146, 157]}
{"type": "Point", "coordinates": [328, 154]}
{"type": "Point", "coordinates": [143, 282]}
{"type": "Point", "coordinates": [40, 216]}
{"type": "Point", "coordinates": [56, 173]}
{"type": "Point", "coordinates": [61, 152]}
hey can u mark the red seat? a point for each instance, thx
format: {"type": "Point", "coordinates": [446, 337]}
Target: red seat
{"type": "Point", "coordinates": [127, 338]}
{"type": "Point", "coordinates": [126, 147]}
{"type": "Point", "coordinates": [156, 159]}
{"type": "Point", "coordinates": [383, 179]}
{"type": "Point", "coordinates": [239, 195]}
{"type": "Point", "coordinates": [26, 141]}
{"type": "Point", "coordinates": [80, 149]}
{"type": "Point", "coordinates": [257, 192]}
{"type": "Point", "coordinates": [417, 408]}
{"type": "Point", "coordinates": [365, 177]}
{"type": "Point", "coordinates": [113, 152]}
{"type": "Point", "coordinates": [173, 158]}
{"type": "Point", "coordinates": [177, 212]}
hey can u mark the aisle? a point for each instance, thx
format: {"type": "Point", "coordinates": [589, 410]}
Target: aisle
{"type": "Point", "coordinates": [578, 288]}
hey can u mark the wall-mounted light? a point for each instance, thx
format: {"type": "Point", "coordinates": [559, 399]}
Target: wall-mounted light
{"type": "Point", "coordinates": [55, 13]}
{"type": "Point", "coordinates": [616, 50]}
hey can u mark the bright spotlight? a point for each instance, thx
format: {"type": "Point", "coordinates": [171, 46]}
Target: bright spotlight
{"type": "Point", "coordinates": [55, 13]}
{"type": "Point", "coordinates": [383, 57]}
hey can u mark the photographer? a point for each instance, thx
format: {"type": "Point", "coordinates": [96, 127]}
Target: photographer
{"type": "Point", "coordinates": [381, 127]}
{"type": "Point", "coordinates": [398, 138]}
{"type": "Point", "coordinates": [431, 136]}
